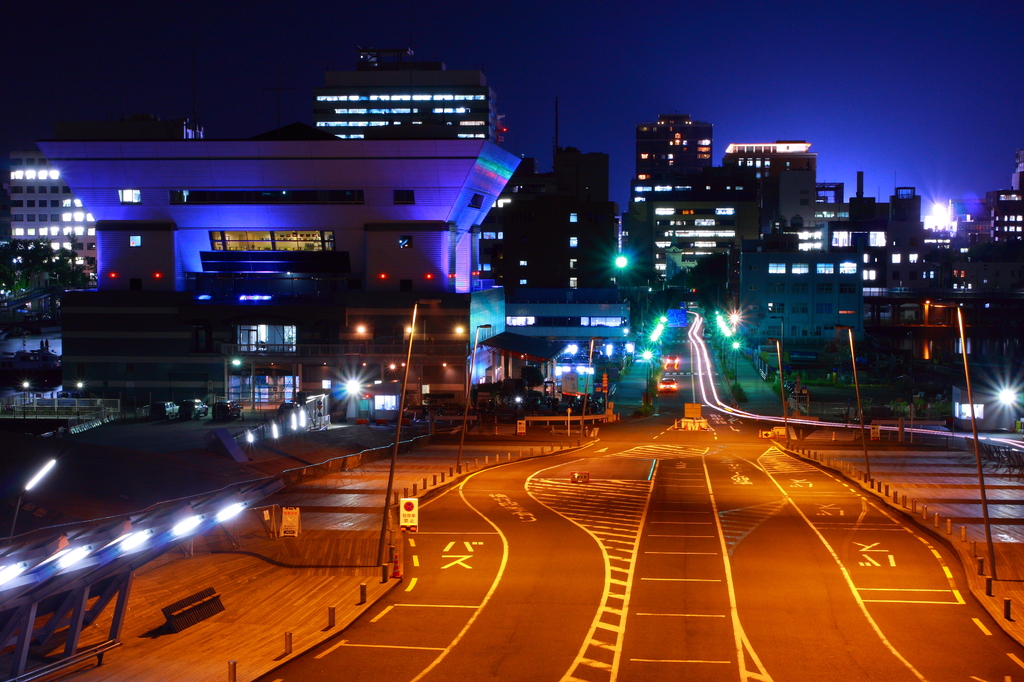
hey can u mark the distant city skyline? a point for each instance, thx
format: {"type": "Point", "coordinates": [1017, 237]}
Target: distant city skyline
{"type": "Point", "coordinates": [913, 95]}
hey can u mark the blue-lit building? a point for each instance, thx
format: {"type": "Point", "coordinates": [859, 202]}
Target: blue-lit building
{"type": "Point", "coordinates": [280, 264]}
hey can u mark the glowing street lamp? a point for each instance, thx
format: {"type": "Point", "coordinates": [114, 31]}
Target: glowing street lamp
{"type": "Point", "coordinates": [28, 486]}
{"type": "Point", "coordinates": [621, 262]}
{"type": "Point", "coordinates": [856, 383]}
{"type": "Point", "coordinates": [1007, 396]}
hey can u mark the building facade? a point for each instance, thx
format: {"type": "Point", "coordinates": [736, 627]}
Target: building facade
{"type": "Point", "coordinates": [673, 145]}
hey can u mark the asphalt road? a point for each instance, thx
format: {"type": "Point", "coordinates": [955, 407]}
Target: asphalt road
{"type": "Point", "coordinates": [687, 555]}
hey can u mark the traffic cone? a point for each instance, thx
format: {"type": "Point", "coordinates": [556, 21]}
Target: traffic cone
{"type": "Point", "coordinates": [396, 572]}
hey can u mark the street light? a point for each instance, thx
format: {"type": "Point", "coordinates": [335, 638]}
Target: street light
{"type": "Point", "coordinates": [586, 385]}
{"type": "Point", "coordinates": [977, 454]}
{"type": "Point", "coordinates": [469, 393]}
{"type": "Point", "coordinates": [782, 386]}
{"type": "Point", "coordinates": [398, 434]}
{"type": "Point", "coordinates": [28, 486]}
{"type": "Point", "coordinates": [856, 383]}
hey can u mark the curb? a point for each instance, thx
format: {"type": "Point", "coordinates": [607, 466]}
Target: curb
{"type": "Point", "coordinates": [975, 582]}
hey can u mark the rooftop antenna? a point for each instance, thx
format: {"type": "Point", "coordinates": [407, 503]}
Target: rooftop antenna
{"type": "Point", "coordinates": [195, 116]}
{"type": "Point", "coordinates": [278, 89]}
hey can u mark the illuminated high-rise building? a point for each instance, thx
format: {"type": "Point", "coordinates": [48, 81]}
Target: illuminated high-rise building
{"type": "Point", "coordinates": [672, 146]}
{"type": "Point", "coordinates": [389, 96]}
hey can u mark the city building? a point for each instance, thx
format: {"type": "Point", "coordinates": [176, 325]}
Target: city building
{"type": "Point", "coordinates": [673, 145]}
{"type": "Point", "coordinates": [553, 230]}
{"type": "Point", "coordinates": [281, 265]}
{"type": "Point", "coordinates": [390, 96]}
{"type": "Point", "coordinates": [786, 173]}
{"type": "Point", "coordinates": [799, 296]}
{"type": "Point", "coordinates": [43, 206]}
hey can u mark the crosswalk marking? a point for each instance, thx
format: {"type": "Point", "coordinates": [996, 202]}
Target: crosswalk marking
{"type": "Point", "coordinates": [738, 523]}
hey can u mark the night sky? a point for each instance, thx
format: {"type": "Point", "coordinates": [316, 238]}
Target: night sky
{"type": "Point", "coordinates": [926, 94]}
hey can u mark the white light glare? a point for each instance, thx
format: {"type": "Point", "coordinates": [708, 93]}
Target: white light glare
{"type": "Point", "coordinates": [229, 512]}
{"type": "Point", "coordinates": [249, 437]}
{"type": "Point", "coordinates": [572, 349]}
{"type": "Point", "coordinates": [73, 557]}
{"type": "Point", "coordinates": [132, 540]}
{"type": "Point", "coordinates": [1007, 397]}
{"type": "Point", "coordinates": [186, 526]}
{"type": "Point", "coordinates": [11, 572]}
{"type": "Point", "coordinates": [42, 472]}
{"type": "Point", "coordinates": [352, 386]}
{"type": "Point", "coordinates": [273, 430]}
{"type": "Point", "coordinates": [295, 422]}
{"type": "Point", "coordinates": [302, 417]}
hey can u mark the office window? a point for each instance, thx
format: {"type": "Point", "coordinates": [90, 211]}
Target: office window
{"type": "Point", "coordinates": [17, 189]}
{"type": "Point", "coordinates": [572, 263]}
{"type": "Point", "coordinates": [404, 196]}
{"type": "Point", "coordinates": [845, 288]}
{"type": "Point", "coordinates": [523, 263]}
{"type": "Point", "coordinates": [130, 196]}
{"type": "Point", "coordinates": [912, 258]}
{"type": "Point", "coordinates": [800, 268]}
{"type": "Point", "coordinates": [17, 218]}
{"type": "Point", "coordinates": [800, 288]}
{"type": "Point", "coordinates": [520, 321]}
{"type": "Point", "coordinates": [895, 274]}
{"type": "Point", "coordinates": [825, 268]}
{"type": "Point", "coordinates": [823, 308]}
{"type": "Point", "coordinates": [31, 217]}
{"type": "Point", "coordinates": [776, 268]}
{"type": "Point", "coordinates": [896, 257]}
{"type": "Point", "coordinates": [573, 218]}
{"type": "Point", "coordinates": [405, 241]}
{"type": "Point", "coordinates": [847, 268]}
{"type": "Point", "coordinates": [572, 282]}
{"type": "Point", "coordinates": [574, 242]}
{"type": "Point", "coordinates": [476, 201]}
{"type": "Point", "coordinates": [135, 240]}
{"type": "Point", "coordinates": [777, 288]}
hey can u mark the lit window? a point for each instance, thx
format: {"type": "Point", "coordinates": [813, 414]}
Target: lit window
{"type": "Point", "coordinates": [573, 218]}
{"type": "Point", "coordinates": [800, 268]}
{"type": "Point", "coordinates": [725, 211]}
{"type": "Point", "coordinates": [776, 268]}
{"type": "Point", "coordinates": [847, 268]}
{"type": "Point", "coordinates": [574, 242]}
{"type": "Point", "coordinates": [91, 232]}
{"type": "Point", "coordinates": [66, 217]}
{"type": "Point", "coordinates": [664, 211]}
{"type": "Point", "coordinates": [130, 196]}
{"type": "Point", "coordinates": [912, 258]}
{"type": "Point", "coordinates": [19, 232]}
{"type": "Point", "coordinates": [135, 240]}
{"type": "Point", "coordinates": [825, 268]}
{"type": "Point", "coordinates": [78, 203]}
{"type": "Point", "coordinates": [572, 263]}
{"type": "Point", "coordinates": [896, 257]}
{"type": "Point", "coordinates": [520, 321]}
{"type": "Point", "coordinates": [405, 241]}
{"type": "Point", "coordinates": [572, 282]}
{"type": "Point", "coordinates": [523, 263]}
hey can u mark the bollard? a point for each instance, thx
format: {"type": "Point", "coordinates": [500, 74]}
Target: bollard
{"type": "Point", "coordinates": [435, 479]}
{"type": "Point", "coordinates": [405, 492]}
{"type": "Point", "coordinates": [913, 506]}
{"type": "Point", "coordinates": [531, 452]}
{"type": "Point", "coordinates": [924, 512]}
{"type": "Point", "coordinates": [508, 457]}
{"type": "Point", "coordinates": [974, 548]}
{"type": "Point", "coordinates": [362, 593]}
{"type": "Point", "coordinates": [887, 490]}
{"type": "Point", "coordinates": [487, 460]}
{"type": "Point", "coordinates": [904, 500]}
{"type": "Point", "coordinates": [963, 533]}
{"type": "Point", "coordinates": [476, 462]}
{"type": "Point", "coordinates": [936, 519]}
{"type": "Point", "coordinates": [981, 565]}
{"type": "Point", "coordinates": [988, 587]}
{"type": "Point", "coordinates": [414, 490]}
{"type": "Point", "coordinates": [1006, 609]}
{"type": "Point", "coordinates": [385, 574]}
{"type": "Point", "coordinates": [895, 497]}
{"type": "Point", "coordinates": [442, 477]}
{"type": "Point", "coordinates": [287, 643]}
{"type": "Point", "coordinates": [424, 482]}
{"type": "Point", "coordinates": [949, 526]}
{"type": "Point", "coordinates": [232, 671]}
{"type": "Point", "coordinates": [451, 471]}
{"type": "Point", "coordinates": [332, 615]}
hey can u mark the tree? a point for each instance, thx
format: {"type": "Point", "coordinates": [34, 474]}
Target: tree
{"type": "Point", "coordinates": [28, 263]}
{"type": "Point", "coordinates": [710, 277]}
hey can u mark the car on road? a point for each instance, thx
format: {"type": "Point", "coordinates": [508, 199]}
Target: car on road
{"type": "Point", "coordinates": [668, 386]}
{"type": "Point", "coordinates": [193, 408]}
{"type": "Point", "coordinates": [671, 362]}
{"type": "Point", "coordinates": [226, 410]}
{"type": "Point", "coordinates": [164, 410]}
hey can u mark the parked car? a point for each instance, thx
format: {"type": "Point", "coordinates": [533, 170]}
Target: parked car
{"type": "Point", "coordinates": [193, 408]}
{"type": "Point", "coordinates": [227, 410]}
{"type": "Point", "coordinates": [164, 410]}
{"type": "Point", "coordinates": [285, 408]}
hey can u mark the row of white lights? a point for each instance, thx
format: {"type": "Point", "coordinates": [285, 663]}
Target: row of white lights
{"type": "Point", "coordinates": [69, 557]}
{"type": "Point", "coordinates": [33, 175]}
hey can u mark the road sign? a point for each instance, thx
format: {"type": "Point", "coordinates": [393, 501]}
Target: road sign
{"type": "Point", "coordinates": [691, 410]}
{"type": "Point", "coordinates": [520, 427]}
{"type": "Point", "coordinates": [876, 432]}
{"type": "Point", "coordinates": [409, 513]}
{"type": "Point", "coordinates": [579, 476]}
{"type": "Point", "coordinates": [290, 522]}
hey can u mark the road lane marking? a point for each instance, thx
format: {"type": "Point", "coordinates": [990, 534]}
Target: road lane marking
{"type": "Point", "coordinates": [601, 450]}
{"type": "Point", "coordinates": [685, 523]}
{"type": "Point", "coordinates": [849, 581]}
{"type": "Point", "coordinates": [382, 613]}
{"type": "Point", "coordinates": [685, 580]}
{"type": "Point", "coordinates": [459, 559]}
{"type": "Point", "coordinates": [670, 660]}
{"type": "Point", "coordinates": [899, 589]}
{"type": "Point", "coordinates": [327, 651]}
{"type": "Point", "coordinates": [396, 646]}
{"type": "Point", "coordinates": [981, 626]}
{"type": "Point", "coordinates": [892, 561]}
{"type": "Point", "coordinates": [461, 487]}
{"type": "Point", "coordinates": [680, 536]}
{"type": "Point", "coordinates": [685, 615]}
{"type": "Point", "coordinates": [412, 542]}
{"type": "Point", "coordinates": [448, 547]}
{"type": "Point", "coordinates": [1016, 660]}
{"type": "Point", "coordinates": [947, 572]}
{"type": "Point", "coordinates": [701, 553]}
{"type": "Point", "coordinates": [415, 560]}
{"type": "Point", "coordinates": [441, 606]}
{"type": "Point", "coordinates": [412, 584]}
{"type": "Point", "coordinates": [452, 532]}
